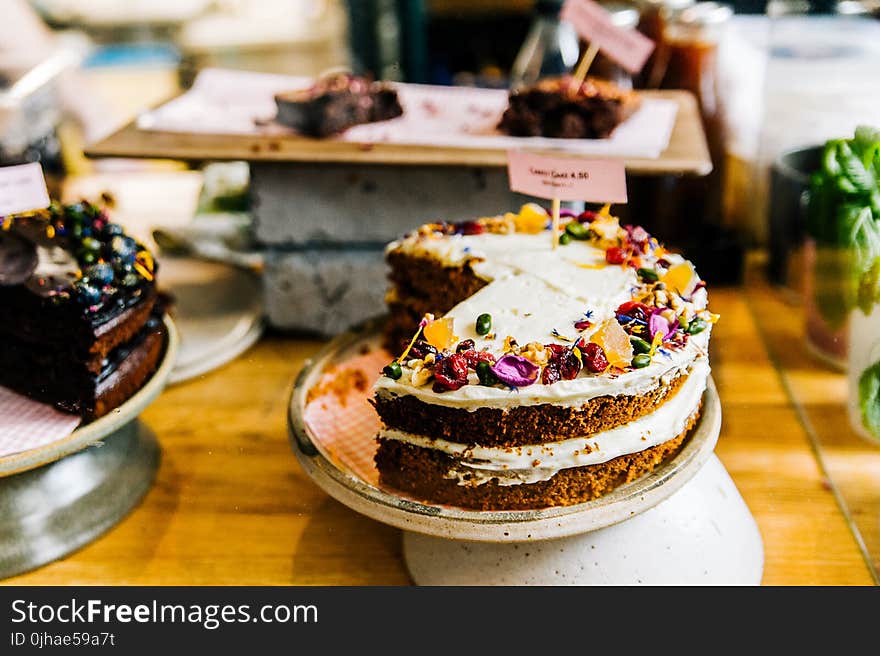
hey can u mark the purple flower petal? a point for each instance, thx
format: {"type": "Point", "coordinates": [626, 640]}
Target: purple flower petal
{"type": "Point", "coordinates": [515, 370]}
{"type": "Point", "coordinates": [659, 324]}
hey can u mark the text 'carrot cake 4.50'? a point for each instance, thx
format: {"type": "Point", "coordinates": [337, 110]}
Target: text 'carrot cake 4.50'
{"type": "Point", "coordinates": [530, 376]}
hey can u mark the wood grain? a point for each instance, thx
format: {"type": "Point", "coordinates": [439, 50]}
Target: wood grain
{"type": "Point", "coordinates": [687, 151]}
{"type": "Point", "coordinates": [232, 506]}
{"type": "Point", "coordinates": [850, 462]}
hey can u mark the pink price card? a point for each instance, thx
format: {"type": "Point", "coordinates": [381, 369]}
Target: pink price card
{"type": "Point", "coordinates": [628, 48]}
{"type": "Point", "coordinates": [22, 188]}
{"type": "Point", "coordinates": [567, 178]}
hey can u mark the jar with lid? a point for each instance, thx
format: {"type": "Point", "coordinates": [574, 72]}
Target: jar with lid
{"type": "Point", "coordinates": [550, 47]}
{"type": "Point", "coordinates": [653, 16]}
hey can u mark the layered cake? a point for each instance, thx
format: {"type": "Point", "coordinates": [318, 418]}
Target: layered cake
{"type": "Point", "coordinates": [335, 103]}
{"type": "Point", "coordinates": [530, 376]}
{"type": "Point", "coordinates": [556, 107]}
{"type": "Point", "coordinates": [80, 325]}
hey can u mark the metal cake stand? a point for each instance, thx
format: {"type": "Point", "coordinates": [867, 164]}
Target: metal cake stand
{"type": "Point", "coordinates": [57, 498]}
{"type": "Point", "coordinates": [683, 524]}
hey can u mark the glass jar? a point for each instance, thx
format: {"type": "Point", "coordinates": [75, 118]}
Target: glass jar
{"type": "Point", "coordinates": [653, 16]}
{"type": "Point", "coordinates": [550, 48]}
{"type": "Point", "coordinates": [691, 40]}
{"type": "Point", "coordinates": [863, 373]}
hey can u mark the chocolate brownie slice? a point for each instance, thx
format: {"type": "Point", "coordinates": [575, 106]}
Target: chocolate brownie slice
{"type": "Point", "coordinates": [336, 103]}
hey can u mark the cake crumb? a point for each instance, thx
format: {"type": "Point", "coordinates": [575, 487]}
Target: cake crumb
{"type": "Point", "coordinates": [339, 383]}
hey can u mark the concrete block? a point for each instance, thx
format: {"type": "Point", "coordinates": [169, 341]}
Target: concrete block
{"type": "Point", "coordinates": [300, 204]}
{"type": "Point", "coordinates": [323, 291]}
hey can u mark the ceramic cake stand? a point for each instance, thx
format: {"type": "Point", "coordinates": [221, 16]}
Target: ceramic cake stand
{"type": "Point", "coordinates": [683, 524]}
{"type": "Point", "coordinates": [59, 497]}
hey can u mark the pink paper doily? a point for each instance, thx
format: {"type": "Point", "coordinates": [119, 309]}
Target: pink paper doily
{"type": "Point", "coordinates": [27, 424]}
{"type": "Point", "coordinates": [343, 423]}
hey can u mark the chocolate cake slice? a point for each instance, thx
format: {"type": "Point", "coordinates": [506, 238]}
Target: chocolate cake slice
{"type": "Point", "coordinates": [80, 326]}
{"type": "Point", "coordinates": [335, 103]}
{"type": "Point", "coordinates": [554, 107]}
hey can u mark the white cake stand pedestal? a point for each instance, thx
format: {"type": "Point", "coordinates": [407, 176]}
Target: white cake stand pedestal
{"type": "Point", "coordinates": [685, 523]}
{"type": "Point", "coordinates": [703, 534]}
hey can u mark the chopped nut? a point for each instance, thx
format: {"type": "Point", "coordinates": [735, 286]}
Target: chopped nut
{"type": "Point", "coordinates": [536, 352]}
{"type": "Point", "coordinates": [421, 376]}
{"type": "Point", "coordinates": [509, 344]}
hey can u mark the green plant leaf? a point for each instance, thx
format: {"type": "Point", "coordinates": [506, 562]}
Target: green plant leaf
{"type": "Point", "coordinates": [866, 136]}
{"type": "Point", "coordinates": [860, 178]}
{"type": "Point", "coordinates": [830, 165]}
{"type": "Point", "coordinates": [869, 288]}
{"type": "Point", "coordinates": [869, 398]}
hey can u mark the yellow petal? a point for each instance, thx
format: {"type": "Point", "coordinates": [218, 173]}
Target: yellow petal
{"type": "Point", "coordinates": [439, 333]}
{"type": "Point", "coordinates": [531, 219]}
{"type": "Point", "coordinates": [681, 278]}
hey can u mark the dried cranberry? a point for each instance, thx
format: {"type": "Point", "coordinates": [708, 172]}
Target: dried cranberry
{"type": "Point", "coordinates": [615, 255]}
{"type": "Point", "coordinates": [564, 361]}
{"type": "Point", "coordinates": [558, 349]}
{"type": "Point", "coordinates": [550, 374]}
{"type": "Point", "coordinates": [594, 358]}
{"type": "Point", "coordinates": [587, 216]}
{"type": "Point", "coordinates": [474, 357]}
{"type": "Point", "coordinates": [465, 345]}
{"type": "Point", "coordinates": [582, 325]}
{"type": "Point", "coordinates": [470, 228]}
{"type": "Point", "coordinates": [569, 365]}
{"type": "Point", "coordinates": [421, 349]}
{"type": "Point", "coordinates": [634, 309]}
{"type": "Point", "coordinates": [451, 373]}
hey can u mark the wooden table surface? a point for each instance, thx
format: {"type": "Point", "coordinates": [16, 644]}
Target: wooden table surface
{"type": "Point", "coordinates": [687, 151]}
{"type": "Point", "coordinates": [232, 506]}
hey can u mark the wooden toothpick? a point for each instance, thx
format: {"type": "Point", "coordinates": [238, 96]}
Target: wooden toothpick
{"type": "Point", "coordinates": [577, 79]}
{"type": "Point", "coordinates": [555, 210]}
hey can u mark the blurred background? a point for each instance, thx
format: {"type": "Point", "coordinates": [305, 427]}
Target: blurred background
{"type": "Point", "coordinates": [73, 72]}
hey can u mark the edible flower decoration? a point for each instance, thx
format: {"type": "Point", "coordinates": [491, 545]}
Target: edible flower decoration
{"type": "Point", "coordinates": [516, 371]}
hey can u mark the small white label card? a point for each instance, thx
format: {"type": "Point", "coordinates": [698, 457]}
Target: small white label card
{"type": "Point", "coordinates": [22, 189]}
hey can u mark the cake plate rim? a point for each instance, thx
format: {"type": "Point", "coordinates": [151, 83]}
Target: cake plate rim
{"type": "Point", "coordinates": [488, 526]}
{"type": "Point", "coordinates": [87, 435]}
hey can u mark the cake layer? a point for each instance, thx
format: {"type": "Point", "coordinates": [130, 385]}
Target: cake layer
{"type": "Point", "coordinates": [543, 456]}
{"type": "Point", "coordinates": [64, 330]}
{"type": "Point", "coordinates": [521, 424]}
{"type": "Point", "coordinates": [422, 473]}
{"type": "Point", "coordinates": [68, 383]}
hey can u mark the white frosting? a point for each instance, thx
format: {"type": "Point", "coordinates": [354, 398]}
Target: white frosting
{"type": "Point", "coordinates": [533, 290]}
{"type": "Point", "coordinates": [540, 462]}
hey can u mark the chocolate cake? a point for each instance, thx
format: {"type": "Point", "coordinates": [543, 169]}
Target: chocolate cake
{"type": "Point", "coordinates": [555, 107]}
{"type": "Point", "coordinates": [80, 325]}
{"type": "Point", "coordinates": [527, 376]}
{"type": "Point", "coordinates": [335, 103]}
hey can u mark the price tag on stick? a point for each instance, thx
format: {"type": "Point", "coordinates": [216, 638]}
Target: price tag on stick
{"type": "Point", "coordinates": [628, 48]}
{"type": "Point", "coordinates": [566, 178]}
{"type": "Point", "coordinates": [22, 188]}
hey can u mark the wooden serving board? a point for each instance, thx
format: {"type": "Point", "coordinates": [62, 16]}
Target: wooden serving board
{"type": "Point", "coordinates": [686, 153]}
